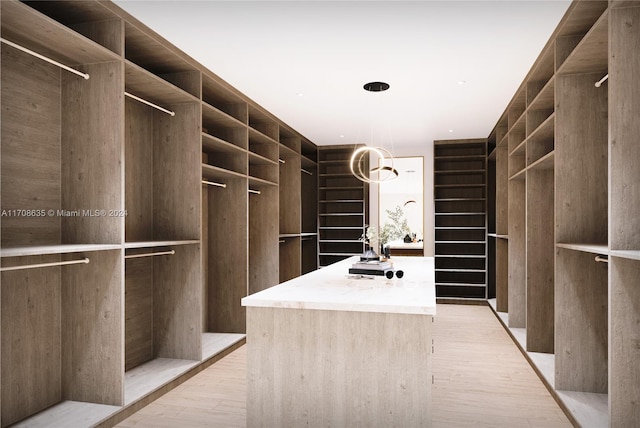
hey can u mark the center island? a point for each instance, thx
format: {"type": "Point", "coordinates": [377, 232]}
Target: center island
{"type": "Point", "coordinates": [328, 349]}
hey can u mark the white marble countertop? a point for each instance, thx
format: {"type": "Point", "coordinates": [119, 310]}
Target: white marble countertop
{"type": "Point", "coordinates": [332, 288]}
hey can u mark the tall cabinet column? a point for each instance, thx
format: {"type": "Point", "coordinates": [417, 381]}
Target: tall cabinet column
{"type": "Point", "coordinates": [624, 223]}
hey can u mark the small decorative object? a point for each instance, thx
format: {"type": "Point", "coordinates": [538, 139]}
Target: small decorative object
{"type": "Point", "coordinates": [369, 254]}
{"type": "Point", "coordinates": [375, 268]}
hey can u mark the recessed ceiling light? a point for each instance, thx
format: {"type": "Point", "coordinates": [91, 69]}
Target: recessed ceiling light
{"type": "Point", "coordinates": [451, 130]}
{"type": "Point", "coordinates": [342, 136]}
{"type": "Point", "coordinates": [461, 82]}
{"type": "Point", "coordinates": [376, 86]}
{"type": "Point", "coordinates": [300, 94]}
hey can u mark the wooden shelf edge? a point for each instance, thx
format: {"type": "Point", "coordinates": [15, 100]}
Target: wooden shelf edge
{"type": "Point", "coordinates": [625, 254]}
{"type": "Point", "coordinates": [214, 172]}
{"type": "Point", "coordinates": [585, 247]}
{"type": "Point", "coordinates": [152, 244]}
{"type": "Point", "coordinates": [42, 250]}
{"type": "Point", "coordinates": [546, 162]}
{"type": "Point", "coordinates": [497, 236]}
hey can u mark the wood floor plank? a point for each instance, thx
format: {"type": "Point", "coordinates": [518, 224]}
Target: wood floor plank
{"type": "Point", "coordinates": [480, 380]}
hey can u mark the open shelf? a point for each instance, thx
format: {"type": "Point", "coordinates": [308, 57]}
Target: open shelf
{"type": "Point", "coordinates": [221, 97]}
{"type": "Point", "coordinates": [149, 51]}
{"type": "Point", "coordinates": [343, 212]}
{"type": "Point", "coordinates": [460, 218]}
{"type": "Point", "coordinates": [219, 154]}
{"type": "Point", "coordinates": [223, 126]}
{"type": "Point", "coordinates": [68, 352]}
{"type": "Point", "coordinates": [541, 140]}
{"type": "Point", "coordinates": [31, 29]}
{"type": "Point", "coordinates": [544, 100]}
{"type": "Point", "coordinates": [162, 173]}
{"type": "Point", "coordinates": [210, 172]}
{"type": "Point", "coordinates": [591, 54]}
{"type": "Point", "coordinates": [144, 84]}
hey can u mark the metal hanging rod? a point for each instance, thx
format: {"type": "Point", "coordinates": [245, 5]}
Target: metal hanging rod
{"type": "Point", "coordinates": [601, 81]}
{"type": "Point", "coordinates": [305, 171]}
{"type": "Point", "coordinates": [281, 160]}
{"type": "Point", "coordinates": [282, 241]}
{"type": "Point", "coordinates": [44, 58]}
{"type": "Point", "coordinates": [40, 265]}
{"type": "Point", "coordinates": [255, 192]}
{"type": "Point", "coordinates": [602, 259]}
{"type": "Point", "coordinates": [159, 253]}
{"type": "Point", "coordinates": [143, 101]}
{"type": "Point", "coordinates": [213, 183]}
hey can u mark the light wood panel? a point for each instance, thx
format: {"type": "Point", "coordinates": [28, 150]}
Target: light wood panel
{"type": "Point", "coordinates": [290, 195]}
{"type": "Point", "coordinates": [502, 227]}
{"type": "Point", "coordinates": [295, 378]}
{"type": "Point", "coordinates": [517, 254]}
{"type": "Point", "coordinates": [502, 274]}
{"type": "Point", "coordinates": [263, 238]}
{"type": "Point", "coordinates": [624, 92]}
{"type": "Point", "coordinates": [624, 313]}
{"type": "Point", "coordinates": [150, 51]}
{"type": "Point", "coordinates": [580, 322]}
{"type": "Point", "coordinates": [92, 142]}
{"type": "Point", "coordinates": [138, 305]}
{"type": "Point", "coordinates": [309, 254]}
{"type": "Point", "coordinates": [138, 171]}
{"type": "Point", "coordinates": [226, 264]}
{"type": "Point", "coordinates": [30, 359]}
{"type": "Point", "coordinates": [290, 258]}
{"type": "Point", "coordinates": [177, 173]}
{"type": "Point", "coordinates": [624, 346]}
{"type": "Point", "coordinates": [30, 161]}
{"type": "Point", "coordinates": [581, 146]}
{"type": "Point", "coordinates": [177, 293]}
{"type": "Point", "coordinates": [540, 258]}
{"type": "Point", "coordinates": [564, 46]}
{"type": "Point", "coordinates": [106, 32]}
{"type": "Point", "coordinates": [502, 191]}
{"type": "Point", "coordinates": [309, 202]}
{"type": "Point", "coordinates": [189, 81]}
{"type": "Point", "coordinates": [92, 326]}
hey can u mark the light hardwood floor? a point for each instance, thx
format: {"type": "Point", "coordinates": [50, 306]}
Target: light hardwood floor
{"type": "Point", "coordinates": [481, 380]}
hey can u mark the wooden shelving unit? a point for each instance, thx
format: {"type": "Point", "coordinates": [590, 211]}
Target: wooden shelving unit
{"type": "Point", "coordinates": [460, 218]}
{"type": "Point", "coordinates": [571, 163]}
{"type": "Point", "coordinates": [298, 206]}
{"type": "Point", "coordinates": [170, 212]}
{"type": "Point", "coordinates": [343, 209]}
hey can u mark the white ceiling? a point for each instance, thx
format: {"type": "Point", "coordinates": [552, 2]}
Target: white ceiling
{"type": "Point", "coordinates": [306, 61]}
